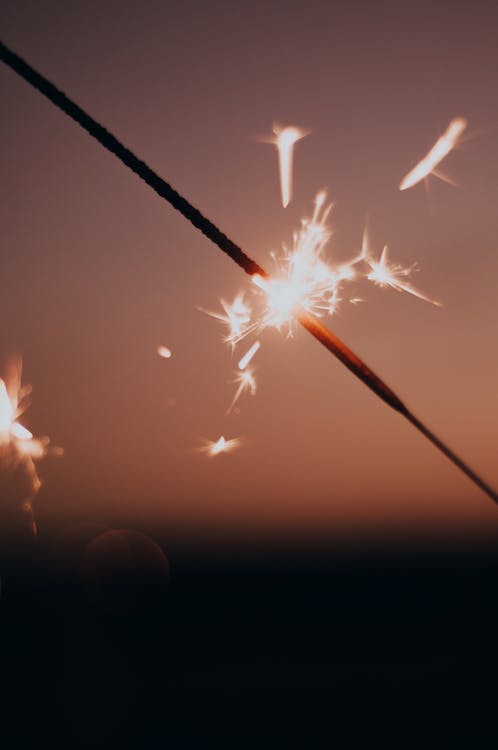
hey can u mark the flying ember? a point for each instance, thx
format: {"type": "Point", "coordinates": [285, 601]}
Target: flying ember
{"type": "Point", "coordinates": [221, 446]}
{"type": "Point", "coordinates": [446, 143]}
{"type": "Point", "coordinates": [164, 352]}
{"type": "Point", "coordinates": [244, 361]}
{"type": "Point", "coordinates": [285, 140]}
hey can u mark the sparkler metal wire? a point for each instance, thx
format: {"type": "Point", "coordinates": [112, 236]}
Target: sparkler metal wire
{"type": "Point", "coordinates": [224, 243]}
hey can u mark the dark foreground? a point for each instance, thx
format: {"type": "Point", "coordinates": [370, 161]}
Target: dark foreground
{"type": "Point", "coordinates": [254, 645]}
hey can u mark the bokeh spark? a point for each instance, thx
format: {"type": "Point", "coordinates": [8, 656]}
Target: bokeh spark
{"type": "Point", "coordinates": [17, 444]}
{"type": "Point", "coordinates": [164, 352]}
{"type": "Point", "coordinates": [428, 165]}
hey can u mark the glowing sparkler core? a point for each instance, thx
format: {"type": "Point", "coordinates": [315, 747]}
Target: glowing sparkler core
{"type": "Point", "coordinates": [446, 143]}
{"type": "Point", "coordinates": [17, 443]}
{"type": "Point", "coordinates": [221, 446]}
{"type": "Point", "coordinates": [285, 140]}
{"type": "Point", "coordinates": [305, 281]}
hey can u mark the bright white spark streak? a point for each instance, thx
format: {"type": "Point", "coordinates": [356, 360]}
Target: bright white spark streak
{"type": "Point", "coordinates": [246, 382]}
{"type": "Point", "coordinates": [286, 138]}
{"type": "Point", "coordinates": [244, 361]}
{"type": "Point", "coordinates": [237, 318]}
{"type": "Point", "coordinates": [386, 275]}
{"type": "Point", "coordinates": [446, 143]}
{"type": "Point", "coordinates": [164, 352]}
{"type": "Point", "coordinates": [221, 446]}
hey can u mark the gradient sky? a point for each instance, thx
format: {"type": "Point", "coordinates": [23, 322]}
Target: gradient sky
{"type": "Point", "coordinates": [96, 270]}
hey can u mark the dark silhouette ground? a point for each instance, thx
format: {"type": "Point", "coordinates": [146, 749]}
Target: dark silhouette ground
{"type": "Point", "coordinates": [250, 645]}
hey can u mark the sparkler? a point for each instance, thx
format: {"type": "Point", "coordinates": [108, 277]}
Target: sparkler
{"type": "Point", "coordinates": [305, 316]}
{"type": "Point", "coordinates": [446, 143]}
{"type": "Point", "coordinates": [285, 140]}
{"type": "Point", "coordinates": [17, 444]}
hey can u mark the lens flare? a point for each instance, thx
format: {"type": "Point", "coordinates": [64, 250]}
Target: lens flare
{"type": "Point", "coordinates": [443, 146]}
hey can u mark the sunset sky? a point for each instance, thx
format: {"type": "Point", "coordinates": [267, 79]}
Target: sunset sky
{"type": "Point", "coordinates": [96, 271]}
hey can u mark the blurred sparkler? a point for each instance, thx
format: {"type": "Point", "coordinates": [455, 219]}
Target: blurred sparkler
{"type": "Point", "coordinates": [17, 444]}
{"type": "Point", "coordinates": [428, 165]}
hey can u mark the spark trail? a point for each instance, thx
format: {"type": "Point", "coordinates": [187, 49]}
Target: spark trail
{"type": "Point", "coordinates": [285, 140]}
{"type": "Point", "coordinates": [443, 146]}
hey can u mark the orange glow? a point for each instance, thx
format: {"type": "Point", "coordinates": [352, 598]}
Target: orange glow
{"type": "Point", "coordinates": [446, 143]}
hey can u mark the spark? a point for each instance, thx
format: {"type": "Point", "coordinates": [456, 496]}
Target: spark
{"type": "Point", "coordinates": [285, 140]}
{"type": "Point", "coordinates": [385, 274]}
{"type": "Point", "coordinates": [214, 448]}
{"type": "Point", "coordinates": [246, 382]}
{"type": "Point", "coordinates": [164, 352]}
{"type": "Point", "coordinates": [304, 280]}
{"type": "Point", "coordinates": [244, 361]}
{"type": "Point", "coordinates": [237, 318]}
{"type": "Point", "coordinates": [443, 146]}
{"type": "Point", "coordinates": [17, 443]}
